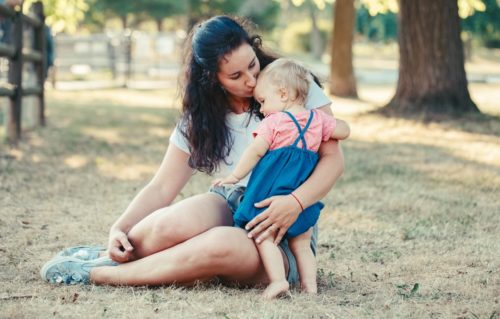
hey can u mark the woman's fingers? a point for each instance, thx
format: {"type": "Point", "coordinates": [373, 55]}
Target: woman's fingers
{"type": "Point", "coordinates": [270, 231]}
{"type": "Point", "coordinates": [118, 255]}
{"type": "Point", "coordinates": [254, 222]}
{"type": "Point", "coordinates": [125, 243]}
{"type": "Point", "coordinates": [120, 248]}
{"type": "Point", "coordinates": [280, 236]}
{"type": "Point", "coordinates": [266, 202]}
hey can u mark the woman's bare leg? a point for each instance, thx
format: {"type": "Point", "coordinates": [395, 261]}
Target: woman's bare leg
{"type": "Point", "coordinates": [225, 252]}
{"type": "Point", "coordinates": [172, 225]}
{"type": "Point", "coordinates": [306, 262]}
{"type": "Point", "coordinates": [275, 270]}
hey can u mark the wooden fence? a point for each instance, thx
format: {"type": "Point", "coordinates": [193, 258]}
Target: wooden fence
{"type": "Point", "coordinates": [19, 53]}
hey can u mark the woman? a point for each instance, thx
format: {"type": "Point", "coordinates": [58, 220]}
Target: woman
{"type": "Point", "coordinates": [159, 243]}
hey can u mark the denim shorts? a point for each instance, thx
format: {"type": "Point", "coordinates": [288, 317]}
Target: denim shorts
{"type": "Point", "coordinates": [233, 194]}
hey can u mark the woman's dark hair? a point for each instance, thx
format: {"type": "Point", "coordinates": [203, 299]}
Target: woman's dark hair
{"type": "Point", "coordinates": [204, 102]}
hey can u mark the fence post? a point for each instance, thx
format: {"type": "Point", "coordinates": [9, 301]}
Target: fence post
{"type": "Point", "coordinates": [15, 78]}
{"type": "Point", "coordinates": [41, 68]}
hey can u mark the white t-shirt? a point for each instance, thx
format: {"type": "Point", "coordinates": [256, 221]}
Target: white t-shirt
{"type": "Point", "coordinates": [241, 129]}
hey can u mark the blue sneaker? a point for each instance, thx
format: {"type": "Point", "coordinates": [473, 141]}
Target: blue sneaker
{"type": "Point", "coordinates": [71, 270]}
{"type": "Point", "coordinates": [82, 252]}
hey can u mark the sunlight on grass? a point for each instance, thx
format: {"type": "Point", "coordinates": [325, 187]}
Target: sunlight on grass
{"type": "Point", "coordinates": [160, 132]}
{"type": "Point", "coordinates": [124, 170]}
{"type": "Point", "coordinates": [111, 136]}
{"type": "Point", "coordinates": [76, 161]}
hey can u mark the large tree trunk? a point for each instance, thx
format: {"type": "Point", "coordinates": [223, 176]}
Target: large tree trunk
{"type": "Point", "coordinates": [342, 80]}
{"type": "Point", "coordinates": [432, 76]}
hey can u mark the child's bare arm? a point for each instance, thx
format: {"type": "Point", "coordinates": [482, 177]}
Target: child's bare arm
{"type": "Point", "coordinates": [248, 160]}
{"type": "Point", "coordinates": [341, 131]}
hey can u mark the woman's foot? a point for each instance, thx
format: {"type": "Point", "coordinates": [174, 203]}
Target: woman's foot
{"type": "Point", "coordinates": [71, 270]}
{"type": "Point", "coordinates": [83, 252]}
{"type": "Point", "coordinates": [275, 289]}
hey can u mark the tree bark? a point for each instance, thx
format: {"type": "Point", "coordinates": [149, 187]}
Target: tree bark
{"type": "Point", "coordinates": [159, 24]}
{"type": "Point", "coordinates": [342, 80]}
{"type": "Point", "coordinates": [124, 21]}
{"type": "Point", "coordinates": [432, 78]}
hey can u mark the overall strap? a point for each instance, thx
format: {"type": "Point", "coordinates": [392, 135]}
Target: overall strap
{"type": "Point", "coordinates": [302, 131]}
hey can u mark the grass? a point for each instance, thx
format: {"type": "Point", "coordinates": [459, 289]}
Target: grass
{"type": "Point", "coordinates": [410, 230]}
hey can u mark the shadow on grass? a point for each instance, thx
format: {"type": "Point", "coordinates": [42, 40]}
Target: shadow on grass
{"type": "Point", "coordinates": [476, 123]}
{"type": "Point", "coordinates": [419, 189]}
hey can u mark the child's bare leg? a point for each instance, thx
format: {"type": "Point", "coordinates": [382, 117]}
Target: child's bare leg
{"type": "Point", "coordinates": [306, 262]}
{"type": "Point", "coordinates": [273, 263]}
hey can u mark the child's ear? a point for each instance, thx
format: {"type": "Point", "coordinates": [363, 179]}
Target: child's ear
{"type": "Point", "coordinates": [283, 95]}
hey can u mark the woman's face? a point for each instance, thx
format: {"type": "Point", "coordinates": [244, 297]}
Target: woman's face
{"type": "Point", "coordinates": [238, 71]}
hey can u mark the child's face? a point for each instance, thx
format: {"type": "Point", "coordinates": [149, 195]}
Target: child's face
{"type": "Point", "coordinates": [269, 96]}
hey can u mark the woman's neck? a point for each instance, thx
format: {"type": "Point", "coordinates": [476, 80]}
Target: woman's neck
{"type": "Point", "coordinates": [239, 104]}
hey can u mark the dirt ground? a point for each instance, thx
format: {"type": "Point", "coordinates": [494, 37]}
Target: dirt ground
{"type": "Point", "coordinates": [409, 231]}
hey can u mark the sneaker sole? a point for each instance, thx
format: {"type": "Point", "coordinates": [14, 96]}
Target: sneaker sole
{"type": "Point", "coordinates": [52, 262]}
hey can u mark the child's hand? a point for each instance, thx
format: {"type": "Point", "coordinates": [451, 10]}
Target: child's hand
{"type": "Point", "coordinates": [231, 179]}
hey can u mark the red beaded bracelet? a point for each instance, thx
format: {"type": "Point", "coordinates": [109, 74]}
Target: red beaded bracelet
{"type": "Point", "coordinates": [298, 201]}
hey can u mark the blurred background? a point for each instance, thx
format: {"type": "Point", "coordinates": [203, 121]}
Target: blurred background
{"type": "Point", "coordinates": [125, 40]}
{"type": "Point", "coordinates": [347, 43]}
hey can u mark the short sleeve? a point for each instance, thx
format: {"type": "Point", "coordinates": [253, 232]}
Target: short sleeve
{"type": "Point", "coordinates": [329, 125]}
{"type": "Point", "coordinates": [316, 97]}
{"type": "Point", "coordinates": [179, 140]}
{"type": "Point", "coordinates": [266, 128]}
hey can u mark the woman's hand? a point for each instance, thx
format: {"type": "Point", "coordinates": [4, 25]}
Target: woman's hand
{"type": "Point", "coordinates": [119, 247]}
{"type": "Point", "coordinates": [281, 213]}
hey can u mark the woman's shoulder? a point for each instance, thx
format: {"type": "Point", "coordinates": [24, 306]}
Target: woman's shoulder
{"type": "Point", "coordinates": [316, 97]}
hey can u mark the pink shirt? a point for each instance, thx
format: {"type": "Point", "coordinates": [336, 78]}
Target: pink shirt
{"type": "Point", "coordinates": [279, 130]}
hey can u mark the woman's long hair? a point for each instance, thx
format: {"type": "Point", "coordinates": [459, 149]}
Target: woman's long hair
{"type": "Point", "coordinates": [204, 102]}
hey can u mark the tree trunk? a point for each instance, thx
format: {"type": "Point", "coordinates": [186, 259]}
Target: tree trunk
{"type": "Point", "coordinates": [124, 21]}
{"type": "Point", "coordinates": [315, 39]}
{"type": "Point", "coordinates": [432, 78]}
{"type": "Point", "coordinates": [342, 80]}
{"type": "Point", "coordinates": [159, 24]}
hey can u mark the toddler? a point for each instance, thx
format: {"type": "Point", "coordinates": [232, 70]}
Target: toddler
{"type": "Point", "coordinates": [284, 154]}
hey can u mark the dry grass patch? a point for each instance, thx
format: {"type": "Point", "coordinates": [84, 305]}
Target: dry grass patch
{"type": "Point", "coordinates": [411, 229]}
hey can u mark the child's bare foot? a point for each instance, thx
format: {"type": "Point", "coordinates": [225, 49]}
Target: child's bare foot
{"type": "Point", "coordinates": [276, 288]}
{"type": "Point", "coordinates": [309, 288]}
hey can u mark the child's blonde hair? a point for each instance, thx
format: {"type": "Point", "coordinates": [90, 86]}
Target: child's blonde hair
{"type": "Point", "coordinates": [290, 75]}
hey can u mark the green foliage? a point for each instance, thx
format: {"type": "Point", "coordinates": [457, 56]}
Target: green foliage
{"type": "Point", "coordinates": [198, 10]}
{"type": "Point", "coordinates": [376, 7]}
{"type": "Point", "coordinates": [159, 9]}
{"type": "Point", "coordinates": [485, 24]}
{"type": "Point", "coordinates": [263, 13]}
{"type": "Point", "coordinates": [62, 15]}
{"type": "Point", "coordinates": [378, 27]}
{"type": "Point", "coordinates": [296, 37]}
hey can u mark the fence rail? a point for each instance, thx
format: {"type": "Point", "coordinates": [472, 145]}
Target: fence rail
{"type": "Point", "coordinates": [18, 53]}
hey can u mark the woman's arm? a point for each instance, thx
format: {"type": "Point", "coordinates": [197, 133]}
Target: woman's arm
{"type": "Point", "coordinates": [173, 173]}
{"type": "Point", "coordinates": [282, 211]}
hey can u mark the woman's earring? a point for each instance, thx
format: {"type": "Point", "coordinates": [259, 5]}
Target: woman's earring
{"type": "Point", "coordinates": [223, 89]}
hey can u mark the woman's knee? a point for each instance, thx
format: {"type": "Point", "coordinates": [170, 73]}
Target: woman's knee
{"type": "Point", "coordinates": [168, 229]}
{"type": "Point", "coordinates": [159, 227]}
{"type": "Point", "coordinates": [227, 244]}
